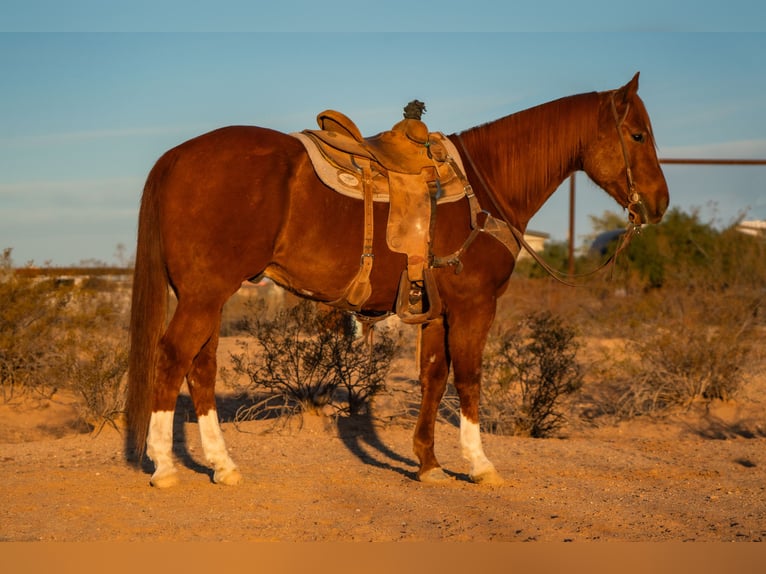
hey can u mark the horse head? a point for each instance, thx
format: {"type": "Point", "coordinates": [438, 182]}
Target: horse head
{"type": "Point", "coordinates": [623, 159]}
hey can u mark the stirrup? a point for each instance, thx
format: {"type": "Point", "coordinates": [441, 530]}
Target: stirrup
{"type": "Point", "coordinates": [418, 301]}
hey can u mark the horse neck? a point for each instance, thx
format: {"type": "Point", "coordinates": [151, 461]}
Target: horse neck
{"type": "Point", "coordinates": [524, 157]}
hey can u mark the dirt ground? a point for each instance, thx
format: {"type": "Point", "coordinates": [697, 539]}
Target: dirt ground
{"type": "Point", "coordinates": [697, 477]}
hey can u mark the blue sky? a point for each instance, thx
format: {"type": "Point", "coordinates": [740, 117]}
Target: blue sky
{"type": "Point", "coordinates": [92, 95]}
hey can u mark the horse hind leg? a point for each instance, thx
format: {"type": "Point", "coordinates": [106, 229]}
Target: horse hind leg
{"type": "Point", "coordinates": [159, 440]}
{"type": "Point", "coordinates": [192, 325]}
{"type": "Point", "coordinates": [159, 448]}
{"type": "Point", "coordinates": [201, 382]}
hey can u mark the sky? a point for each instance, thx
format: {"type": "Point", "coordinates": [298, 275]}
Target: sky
{"type": "Point", "coordinates": [93, 92]}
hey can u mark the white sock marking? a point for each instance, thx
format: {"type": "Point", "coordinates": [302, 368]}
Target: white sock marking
{"type": "Point", "coordinates": [470, 443]}
{"type": "Point", "coordinates": [212, 442]}
{"type": "Point", "coordinates": [159, 442]}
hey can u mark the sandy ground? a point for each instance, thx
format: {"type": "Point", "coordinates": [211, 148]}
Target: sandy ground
{"type": "Point", "coordinates": [700, 477]}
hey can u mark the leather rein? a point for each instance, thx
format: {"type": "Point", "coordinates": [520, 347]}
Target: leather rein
{"type": "Point", "coordinates": [500, 229]}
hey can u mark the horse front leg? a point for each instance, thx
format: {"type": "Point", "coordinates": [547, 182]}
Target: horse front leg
{"type": "Point", "coordinates": [433, 362]}
{"type": "Point", "coordinates": [467, 337]}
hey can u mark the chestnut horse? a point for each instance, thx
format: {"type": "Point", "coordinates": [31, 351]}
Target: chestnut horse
{"type": "Point", "coordinates": [241, 202]}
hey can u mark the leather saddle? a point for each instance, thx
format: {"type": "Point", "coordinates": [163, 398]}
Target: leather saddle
{"type": "Point", "coordinates": [407, 167]}
{"type": "Point", "coordinates": [338, 152]}
{"type": "Point", "coordinates": [402, 149]}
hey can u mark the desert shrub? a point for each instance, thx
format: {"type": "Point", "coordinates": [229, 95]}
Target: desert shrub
{"type": "Point", "coordinates": [528, 370]}
{"type": "Point", "coordinates": [691, 303]}
{"type": "Point", "coordinates": [30, 311]}
{"type": "Point", "coordinates": [689, 350]}
{"type": "Point", "coordinates": [95, 354]}
{"type": "Point", "coordinates": [97, 373]}
{"type": "Point", "coordinates": [307, 360]}
{"type": "Point", "coordinates": [56, 335]}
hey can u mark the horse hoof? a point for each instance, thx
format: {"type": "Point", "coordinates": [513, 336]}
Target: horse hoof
{"type": "Point", "coordinates": [489, 478]}
{"type": "Point", "coordinates": [165, 480]}
{"type": "Point", "coordinates": [434, 476]}
{"type": "Point", "coordinates": [228, 477]}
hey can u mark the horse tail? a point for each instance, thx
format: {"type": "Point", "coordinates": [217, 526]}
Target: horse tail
{"type": "Point", "coordinates": [148, 313]}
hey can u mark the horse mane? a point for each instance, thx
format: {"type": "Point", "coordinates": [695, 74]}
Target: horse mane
{"type": "Point", "coordinates": [526, 155]}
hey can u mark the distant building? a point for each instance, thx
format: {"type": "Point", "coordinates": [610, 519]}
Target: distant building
{"type": "Point", "coordinates": [753, 227]}
{"type": "Point", "coordinates": [536, 240]}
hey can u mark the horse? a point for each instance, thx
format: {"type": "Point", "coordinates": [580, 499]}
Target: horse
{"type": "Point", "coordinates": [242, 202]}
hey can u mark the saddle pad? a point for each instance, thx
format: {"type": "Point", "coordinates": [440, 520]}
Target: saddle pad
{"type": "Point", "coordinates": [348, 181]}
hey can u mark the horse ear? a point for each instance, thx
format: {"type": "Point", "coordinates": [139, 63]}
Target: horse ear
{"type": "Point", "coordinates": [630, 89]}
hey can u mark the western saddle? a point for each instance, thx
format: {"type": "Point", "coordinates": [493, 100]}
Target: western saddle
{"type": "Point", "coordinates": [409, 168]}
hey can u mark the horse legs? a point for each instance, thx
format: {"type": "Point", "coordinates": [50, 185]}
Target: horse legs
{"type": "Point", "coordinates": [189, 330]}
{"type": "Point", "coordinates": [201, 382]}
{"type": "Point", "coordinates": [467, 337]}
{"type": "Point", "coordinates": [434, 368]}
{"type": "Point", "coordinates": [461, 346]}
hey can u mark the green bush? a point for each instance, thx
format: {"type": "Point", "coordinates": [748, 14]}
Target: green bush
{"type": "Point", "coordinates": [555, 254]}
{"type": "Point", "coordinates": [683, 252]}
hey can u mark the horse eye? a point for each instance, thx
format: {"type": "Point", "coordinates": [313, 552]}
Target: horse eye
{"type": "Point", "coordinates": [638, 138]}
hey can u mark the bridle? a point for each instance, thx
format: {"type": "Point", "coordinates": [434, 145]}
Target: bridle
{"type": "Point", "coordinates": [636, 207]}
{"type": "Point", "coordinates": [501, 228]}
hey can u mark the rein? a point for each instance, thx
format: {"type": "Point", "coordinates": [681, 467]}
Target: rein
{"type": "Point", "coordinates": [634, 206]}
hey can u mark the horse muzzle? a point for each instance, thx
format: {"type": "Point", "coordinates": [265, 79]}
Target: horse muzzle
{"type": "Point", "coordinates": [638, 214]}
{"type": "Point", "coordinates": [640, 211]}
